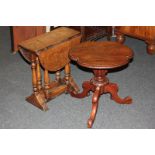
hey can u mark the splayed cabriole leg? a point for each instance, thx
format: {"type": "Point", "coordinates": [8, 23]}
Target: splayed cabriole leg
{"type": "Point", "coordinates": [113, 89]}
{"type": "Point", "coordinates": [87, 86]}
{"type": "Point", "coordinates": [95, 100]}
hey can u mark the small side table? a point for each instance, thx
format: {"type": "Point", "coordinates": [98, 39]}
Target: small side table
{"type": "Point", "coordinates": [100, 57]}
{"type": "Point", "coordinates": [49, 52]}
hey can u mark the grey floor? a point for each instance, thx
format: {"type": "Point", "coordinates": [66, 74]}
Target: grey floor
{"type": "Point", "coordinates": [137, 80]}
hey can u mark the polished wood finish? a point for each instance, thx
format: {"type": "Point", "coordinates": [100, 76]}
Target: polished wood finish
{"type": "Point", "coordinates": [146, 33]}
{"type": "Point", "coordinates": [100, 57]}
{"type": "Point", "coordinates": [34, 74]}
{"type": "Point", "coordinates": [22, 33]}
{"type": "Point", "coordinates": [39, 78]}
{"type": "Point", "coordinates": [50, 50]}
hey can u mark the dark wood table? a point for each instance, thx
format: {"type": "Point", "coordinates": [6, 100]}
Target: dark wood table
{"type": "Point", "coordinates": [100, 57]}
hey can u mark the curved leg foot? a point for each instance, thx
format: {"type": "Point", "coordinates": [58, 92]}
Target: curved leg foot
{"type": "Point", "coordinates": [120, 38]}
{"type": "Point", "coordinates": [113, 89]}
{"type": "Point", "coordinates": [151, 49]}
{"type": "Point", "coordinates": [95, 99]}
{"type": "Point", "coordinates": [87, 86]}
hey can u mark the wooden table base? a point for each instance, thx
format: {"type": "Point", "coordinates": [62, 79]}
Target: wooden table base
{"type": "Point", "coordinates": [42, 93]}
{"type": "Point", "coordinates": [100, 85]}
{"type": "Point", "coordinates": [40, 98]}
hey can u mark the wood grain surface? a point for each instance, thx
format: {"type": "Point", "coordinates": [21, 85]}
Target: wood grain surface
{"type": "Point", "coordinates": [101, 55]}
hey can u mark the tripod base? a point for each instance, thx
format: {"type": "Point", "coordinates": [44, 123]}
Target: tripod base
{"type": "Point", "coordinates": [100, 85]}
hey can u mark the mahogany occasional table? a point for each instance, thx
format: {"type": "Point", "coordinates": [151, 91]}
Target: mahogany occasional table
{"type": "Point", "coordinates": [100, 57]}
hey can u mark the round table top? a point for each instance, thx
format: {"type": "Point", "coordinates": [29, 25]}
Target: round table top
{"type": "Point", "coordinates": [101, 55]}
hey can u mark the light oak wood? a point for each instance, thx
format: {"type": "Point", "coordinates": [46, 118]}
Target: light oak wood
{"type": "Point", "coordinates": [50, 50]}
{"type": "Point", "coordinates": [39, 79]}
{"type": "Point", "coordinates": [34, 75]}
{"type": "Point", "coordinates": [46, 82]}
{"type": "Point", "coordinates": [22, 33]}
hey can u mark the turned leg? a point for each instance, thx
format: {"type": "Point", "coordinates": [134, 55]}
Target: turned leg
{"type": "Point", "coordinates": [39, 82]}
{"type": "Point", "coordinates": [34, 75]}
{"type": "Point", "coordinates": [120, 38]}
{"type": "Point", "coordinates": [113, 89]}
{"type": "Point", "coordinates": [37, 98]}
{"type": "Point", "coordinates": [46, 83]}
{"type": "Point", "coordinates": [87, 86]}
{"type": "Point", "coordinates": [95, 100]}
{"type": "Point", "coordinates": [58, 76]}
{"type": "Point", "coordinates": [67, 73]}
{"type": "Point", "coordinates": [69, 79]}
